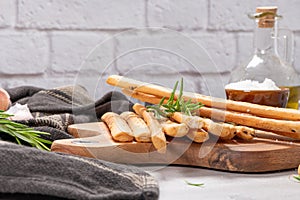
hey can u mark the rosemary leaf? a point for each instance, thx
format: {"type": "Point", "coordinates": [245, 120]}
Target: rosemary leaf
{"type": "Point", "coordinates": [173, 93]}
{"type": "Point", "coordinates": [24, 138]}
{"type": "Point", "coordinates": [162, 101]}
{"type": "Point", "coordinates": [194, 184]}
{"type": "Point", "coordinates": [18, 141]}
{"type": "Point", "coordinates": [23, 133]}
{"type": "Point", "coordinates": [297, 177]}
{"type": "Point", "coordinates": [45, 141]}
{"type": "Point", "coordinates": [177, 104]}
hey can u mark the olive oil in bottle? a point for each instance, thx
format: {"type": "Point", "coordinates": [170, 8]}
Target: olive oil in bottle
{"type": "Point", "coordinates": [294, 97]}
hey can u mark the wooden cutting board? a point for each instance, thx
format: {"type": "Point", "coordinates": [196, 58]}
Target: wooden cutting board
{"type": "Point", "coordinates": [259, 155]}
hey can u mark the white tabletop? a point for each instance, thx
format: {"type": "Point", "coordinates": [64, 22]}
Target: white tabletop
{"type": "Point", "coordinates": [223, 185]}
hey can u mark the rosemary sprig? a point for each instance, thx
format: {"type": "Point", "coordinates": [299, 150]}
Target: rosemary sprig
{"type": "Point", "coordinates": [194, 184]}
{"type": "Point", "coordinates": [297, 178]}
{"type": "Point", "coordinates": [22, 133]}
{"type": "Point", "coordinates": [167, 109]}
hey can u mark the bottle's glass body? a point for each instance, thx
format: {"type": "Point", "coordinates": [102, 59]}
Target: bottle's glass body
{"type": "Point", "coordinates": [267, 63]}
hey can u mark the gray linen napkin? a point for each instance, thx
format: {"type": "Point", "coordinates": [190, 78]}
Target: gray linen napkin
{"type": "Point", "coordinates": [26, 172]}
{"type": "Point", "coordinates": [55, 109]}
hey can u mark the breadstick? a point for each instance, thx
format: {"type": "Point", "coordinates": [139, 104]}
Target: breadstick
{"type": "Point", "coordinates": [157, 135]}
{"type": "Point", "coordinates": [245, 132]}
{"type": "Point", "coordinates": [222, 130]}
{"type": "Point", "coordinates": [277, 126]}
{"type": "Point", "coordinates": [198, 135]}
{"type": "Point", "coordinates": [195, 122]}
{"type": "Point", "coordinates": [271, 135]}
{"type": "Point", "coordinates": [175, 129]}
{"type": "Point", "coordinates": [138, 86]}
{"type": "Point", "coordinates": [288, 134]}
{"type": "Point", "coordinates": [142, 96]}
{"type": "Point", "coordinates": [118, 127]}
{"type": "Point", "coordinates": [139, 128]}
{"type": "Point", "coordinates": [159, 91]}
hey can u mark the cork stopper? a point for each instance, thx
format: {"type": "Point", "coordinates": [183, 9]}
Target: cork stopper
{"type": "Point", "coordinates": [267, 21]}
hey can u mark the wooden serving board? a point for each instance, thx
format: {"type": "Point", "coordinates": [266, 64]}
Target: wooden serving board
{"type": "Point", "coordinates": [259, 155]}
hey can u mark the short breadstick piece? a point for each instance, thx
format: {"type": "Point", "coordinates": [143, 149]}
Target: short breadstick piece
{"type": "Point", "coordinates": [138, 126]}
{"type": "Point", "coordinates": [224, 131]}
{"type": "Point", "coordinates": [175, 129]}
{"type": "Point", "coordinates": [193, 122]}
{"type": "Point", "coordinates": [198, 135]}
{"type": "Point", "coordinates": [157, 135]}
{"type": "Point", "coordinates": [118, 127]}
{"type": "Point", "coordinates": [245, 132]}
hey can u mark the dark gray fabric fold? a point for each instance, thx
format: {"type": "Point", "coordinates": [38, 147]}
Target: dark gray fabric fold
{"type": "Point", "coordinates": [55, 109]}
{"type": "Point", "coordinates": [28, 171]}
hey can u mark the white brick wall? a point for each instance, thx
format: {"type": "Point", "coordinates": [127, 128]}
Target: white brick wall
{"type": "Point", "coordinates": [45, 42]}
{"type": "Point", "coordinates": [177, 14]}
{"type": "Point", "coordinates": [221, 48]}
{"type": "Point", "coordinates": [24, 52]}
{"type": "Point", "coordinates": [81, 14]}
{"type": "Point", "coordinates": [7, 13]}
{"type": "Point", "coordinates": [69, 49]}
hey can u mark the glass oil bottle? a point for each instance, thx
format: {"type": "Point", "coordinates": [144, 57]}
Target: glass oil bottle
{"type": "Point", "coordinates": [266, 61]}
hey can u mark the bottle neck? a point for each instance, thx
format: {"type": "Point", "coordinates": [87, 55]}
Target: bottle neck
{"type": "Point", "coordinates": [265, 41]}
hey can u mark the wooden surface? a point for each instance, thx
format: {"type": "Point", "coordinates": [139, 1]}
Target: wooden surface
{"type": "Point", "coordinates": [259, 155]}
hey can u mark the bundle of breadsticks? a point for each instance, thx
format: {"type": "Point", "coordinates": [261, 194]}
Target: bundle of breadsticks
{"type": "Point", "coordinates": [143, 126]}
{"type": "Point", "coordinates": [220, 117]}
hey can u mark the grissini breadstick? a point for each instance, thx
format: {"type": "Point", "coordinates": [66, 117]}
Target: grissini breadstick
{"type": "Point", "coordinates": [253, 121]}
{"type": "Point", "coordinates": [159, 91]}
{"type": "Point", "coordinates": [198, 135]}
{"type": "Point", "coordinates": [193, 122]}
{"type": "Point", "coordinates": [287, 134]}
{"type": "Point", "coordinates": [138, 86]}
{"type": "Point", "coordinates": [227, 131]}
{"type": "Point", "coordinates": [245, 132]}
{"type": "Point", "coordinates": [143, 97]}
{"type": "Point", "coordinates": [118, 127]}
{"type": "Point", "coordinates": [138, 126]}
{"type": "Point", "coordinates": [271, 135]}
{"type": "Point", "coordinates": [224, 131]}
{"type": "Point", "coordinates": [157, 135]}
{"type": "Point", "coordinates": [175, 129]}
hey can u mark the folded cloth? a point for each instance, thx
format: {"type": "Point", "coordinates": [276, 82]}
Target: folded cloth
{"type": "Point", "coordinates": [28, 173]}
{"type": "Point", "coordinates": [54, 109]}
